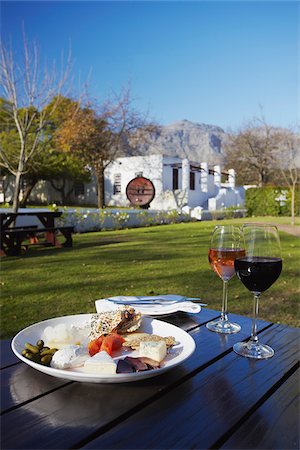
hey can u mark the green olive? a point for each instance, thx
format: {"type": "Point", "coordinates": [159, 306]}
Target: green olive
{"type": "Point", "coordinates": [40, 344]}
{"type": "Point", "coordinates": [33, 348]}
{"type": "Point", "coordinates": [46, 359]}
{"type": "Point", "coordinates": [33, 357]}
{"type": "Point", "coordinates": [50, 351]}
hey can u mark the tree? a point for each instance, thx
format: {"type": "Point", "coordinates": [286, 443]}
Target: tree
{"type": "Point", "coordinates": [60, 169]}
{"type": "Point", "coordinates": [261, 153]}
{"type": "Point", "coordinates": [287, 162]}
{"type": "Point", "coordinates": [69, 170]}
{"type": "Point", "coordinates": [51, 164]}
{"type": "Point", "coordinates": [99, 136]}
{"type": "Point", "coordinates": [27, 88]}
{"type": "Point", "coordinates": [250, 151]}
{"type": "Point", "coordinates": [85, 135]}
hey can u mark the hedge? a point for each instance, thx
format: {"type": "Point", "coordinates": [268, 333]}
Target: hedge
{"type": "Point", "coordinates": [270, 201]}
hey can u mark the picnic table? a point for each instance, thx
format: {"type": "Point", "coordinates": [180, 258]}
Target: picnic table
{"type": "Point", "coordinates": [41, 221]}
{"type": "Point", "coordinates": [215, 399]}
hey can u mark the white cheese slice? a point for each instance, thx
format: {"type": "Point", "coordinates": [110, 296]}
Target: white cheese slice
{"type": "Point", "coordinates": [156, 350]}
{"type": "Point", "coordinates": [101, 363]}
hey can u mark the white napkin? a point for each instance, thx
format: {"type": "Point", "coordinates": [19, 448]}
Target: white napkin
{"type": "Point", "coordinates": [104, 305]}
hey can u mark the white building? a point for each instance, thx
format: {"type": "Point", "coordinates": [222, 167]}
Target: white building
{"type": "Point", "coordinates": [178, 183]}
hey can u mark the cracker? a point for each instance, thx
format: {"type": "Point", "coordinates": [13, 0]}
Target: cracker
{"type": "Point", "coordinates": [134, 342]}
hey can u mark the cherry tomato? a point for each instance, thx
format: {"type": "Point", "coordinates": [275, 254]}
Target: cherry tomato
{"type": "Point", "coordinates": [108, 343]}
{"type": "Point", "coordinates": [95, 345]}
{"type": "Point", "coordinates": [112, 342]}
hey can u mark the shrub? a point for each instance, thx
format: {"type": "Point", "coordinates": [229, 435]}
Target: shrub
{"type": "Point", "coordinates": [99, 219]}
{"type": "Point", "coordinates": [285, 209]}
{"type": "Point", "coordinates": [120, 219]}
{"type": "Point", "coordinates": [270, 201]}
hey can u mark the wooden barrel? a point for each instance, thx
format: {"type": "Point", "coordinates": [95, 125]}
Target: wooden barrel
{"type": "Point", "coordinates": [140, 191]}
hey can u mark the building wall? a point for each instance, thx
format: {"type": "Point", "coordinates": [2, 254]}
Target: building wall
{"type": "Point", "coordinates": [226, 197]}
{"type": "Point", "coordinates": [208, 190]}
{"type": "Point", "coordinates": [128, 168]}
{"type": "Point", "coordinates": [208, 193]}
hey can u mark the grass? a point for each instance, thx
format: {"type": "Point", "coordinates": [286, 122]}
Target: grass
{"type": "Point", "coordinates": [48, 282]}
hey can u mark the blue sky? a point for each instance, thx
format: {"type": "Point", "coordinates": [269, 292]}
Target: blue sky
{"type": "Point", "coordinates": [212, 62]}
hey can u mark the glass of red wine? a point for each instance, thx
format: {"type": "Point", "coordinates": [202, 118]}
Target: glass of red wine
{"type": "Point", "coordinates": [226, 245]}
{"type": "Point", "coordinates": [258, 270]}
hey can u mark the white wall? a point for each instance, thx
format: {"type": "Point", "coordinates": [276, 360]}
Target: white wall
{"type": "Point", "coordinates": [226, 197]}
{"type": "Point", "coordinates": [150, 166]}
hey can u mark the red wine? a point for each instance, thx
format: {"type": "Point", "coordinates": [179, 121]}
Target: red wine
{"type": "Point", "coordinates": [222, 261]}
{"type": "Point", "coordinates": [258, 273]}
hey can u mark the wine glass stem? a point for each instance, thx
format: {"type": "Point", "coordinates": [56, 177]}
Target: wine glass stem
{"type": "Point", "coordinates": [254, 337]}
{"type": "Point", "coordinates": [224, 301]}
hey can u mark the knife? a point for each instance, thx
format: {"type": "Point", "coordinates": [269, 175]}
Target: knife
{"type": "Point", "coordinates": [155, 301]}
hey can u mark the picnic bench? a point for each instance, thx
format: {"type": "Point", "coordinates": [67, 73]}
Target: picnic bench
{"type": "Point", "coordinates": [215, 399]}
{"type": "Point", "coordinates": [16, 238]}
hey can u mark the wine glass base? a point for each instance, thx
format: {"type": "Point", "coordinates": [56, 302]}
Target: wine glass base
{"type": "Point", "coordinates": [254, 350]}
{"type": "Point", "coordinates": [223, 326]}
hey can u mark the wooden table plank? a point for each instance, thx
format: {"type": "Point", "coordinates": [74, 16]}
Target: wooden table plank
{"type": "Point", "coordinates": [34, 384]}
{"type": "Point", "coordinates": [274, 425]}
{"type": "Point", "coordinates": [72, 413]}
{"type": "Point", "coordinates": [198, 412]}
{"type": "Point", "coordinates": [7, 356]}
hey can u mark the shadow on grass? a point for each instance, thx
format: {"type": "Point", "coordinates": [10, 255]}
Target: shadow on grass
{"type": "Point", "coordinates": [40, 251]}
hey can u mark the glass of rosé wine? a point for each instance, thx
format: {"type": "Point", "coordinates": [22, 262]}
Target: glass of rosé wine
{"type": "Point", "coordinates": [227, 244]}
{"type": "Point", "coordinates": [258, 270]}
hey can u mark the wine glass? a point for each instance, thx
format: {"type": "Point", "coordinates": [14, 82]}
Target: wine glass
{"type": "Point", "coordinates": [258, 270]}
{"type": "Point", "coordinates": [226, 245]}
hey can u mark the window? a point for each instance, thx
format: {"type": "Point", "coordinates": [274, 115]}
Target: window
{"type": "Point", "coordinates": [175, 179]}
{"type": "Point", "coordinates": [78, 189]}
{"type": "Point", "coordinates": [117, 183]}
{"type": "Point", "coordinates": [192, 181]}
{"type": "Point", "coordinates": [224, 177]}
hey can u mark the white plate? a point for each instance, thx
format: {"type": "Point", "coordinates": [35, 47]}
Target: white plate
{"type": "Point", "coordinates": [180, 352]}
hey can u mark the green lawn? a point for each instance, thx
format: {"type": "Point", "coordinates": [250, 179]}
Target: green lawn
{"type": "Point", "coordinates": [163, 259]}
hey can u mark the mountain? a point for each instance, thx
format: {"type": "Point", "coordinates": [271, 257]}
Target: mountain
{"type": "Point", "coordinates": [198, 142]}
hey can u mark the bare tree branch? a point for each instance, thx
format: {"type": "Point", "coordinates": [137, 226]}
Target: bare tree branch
{"type": "Point", "coordinates": [28, 89]}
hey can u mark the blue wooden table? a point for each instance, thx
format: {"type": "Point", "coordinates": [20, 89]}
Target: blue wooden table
{"type": "Point", "coordinates": [215, 399]}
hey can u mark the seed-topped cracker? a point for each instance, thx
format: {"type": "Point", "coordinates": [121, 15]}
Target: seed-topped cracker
{"type": "Point", "coordinates": [122, 320]}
